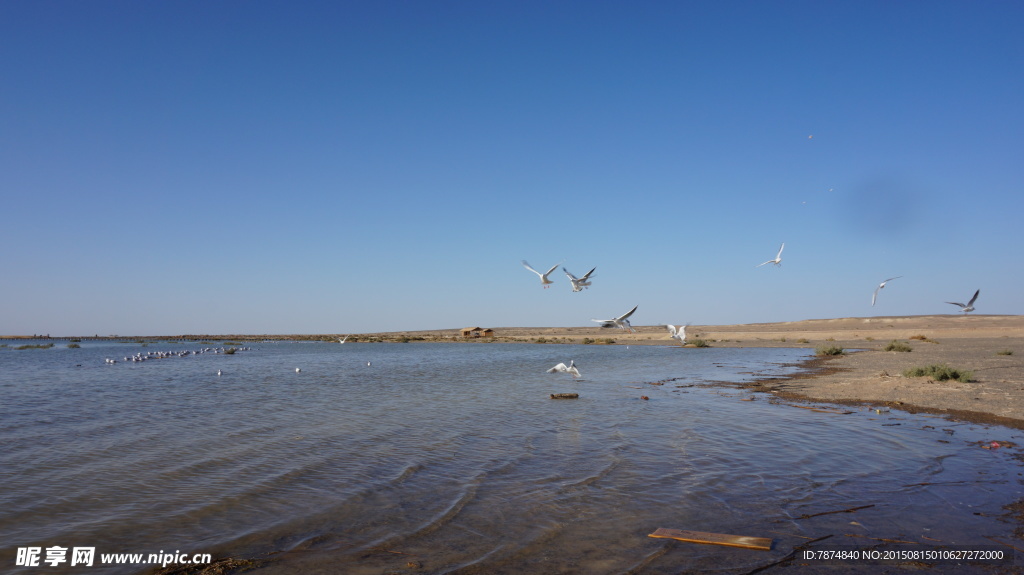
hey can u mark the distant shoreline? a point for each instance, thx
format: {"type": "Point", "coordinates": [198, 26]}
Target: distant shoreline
{"type": "Point", "coordinates": [750, 335]}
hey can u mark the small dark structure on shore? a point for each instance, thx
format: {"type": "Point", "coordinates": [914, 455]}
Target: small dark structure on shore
{"type": "Point", "coordinates": [477, 332]}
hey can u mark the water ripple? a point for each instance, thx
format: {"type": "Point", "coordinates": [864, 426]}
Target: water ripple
{"type": "Point", "coordinates": [419, 459]}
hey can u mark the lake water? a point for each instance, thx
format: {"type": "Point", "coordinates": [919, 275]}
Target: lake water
{"type": "Point", "coordinates": [452, 458]}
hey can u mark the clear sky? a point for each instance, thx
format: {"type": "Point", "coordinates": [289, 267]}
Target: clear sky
{"type": "Point", "coordinates": [345, 167]}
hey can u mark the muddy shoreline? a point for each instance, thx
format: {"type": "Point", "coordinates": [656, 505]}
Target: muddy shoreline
{"type": "Point", "coordinates": [795, 388]}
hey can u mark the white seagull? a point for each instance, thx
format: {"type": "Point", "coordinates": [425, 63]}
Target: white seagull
{"type": "Point", "coordinates": [970, 304]}
{"type": "Point", "coordinates": [343, 339]}
{"type": "Point", "coordinates": [298, 370]}
{"type": "Point", "coordinates": [778, 258]}
{"type": "Point", "coordinates": [679, 334]}
{"type": "Point", "coordinates": [880, 286]}
{"type": "Point", "coordinates": [543, 276]}
{"type": "Point", "coordinates": [579, 284]}
{"type": "Point", "coordinates": [571, 368]}
{"type": "Point", "coordinates": [620, 321]}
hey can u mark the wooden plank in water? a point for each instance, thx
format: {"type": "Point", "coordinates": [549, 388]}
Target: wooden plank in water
{"type": "Point", "coordinates": [760, 543]}
{"type": "Point", "coordinates": [823, 409]}
{"type": "Point", "coordinates": [564, 395]}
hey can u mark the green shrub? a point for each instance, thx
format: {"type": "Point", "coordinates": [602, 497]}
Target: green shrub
{"type": "Point", "coordinates": [940, 373]}
{"type": "Point", "coordinates": [73, 346]}
{"type": "Point", "coordinates": [39, 346]}
{"type": "Point", "coordinates": [896, 345]}
{"type": "Point", "coordinates": [829, 350]}
{"type": "Point", "coordinates": [1005, 352]}
{"type": "Point", "coordinates": [698, 343]}
{"type": "Point", "coordinates": [803, 340]}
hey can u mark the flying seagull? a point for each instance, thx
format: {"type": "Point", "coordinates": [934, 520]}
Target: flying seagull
{"type": "Point", "coordinates": [880, 286]}
{"type": "Point", "coordinates": [679, 334]}
{"type": "Point", "coordinates": [970, 304]}
{"type": "Point", "coordinates": [778, 258]}
{"type": "Point", "coordinates": [620, 321]}
{"type": "Point", "coordinates": [579, 284]}
{"type": "Point", "coordinates": [543, 276]}
{"type": "Point", "coordinates": [571, 368]}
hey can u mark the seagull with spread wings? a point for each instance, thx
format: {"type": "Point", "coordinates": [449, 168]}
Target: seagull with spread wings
{"type": "Point", "coordinates": [778, 258]}
{"type": "Point", "coordinates": [579, 284]}
{"type": "Point", "coordinates": [571, 368]}
{"type": "Point", "coordinates": [970, 305]}
{"type": "Point", "coordinates": [543, 276]}
{"type": "Point", "coordinates": [679, 333]}
{"type": "Point", "coordinates": [880, 286]}
{"type": "Point", "coordinates": [622, 321]}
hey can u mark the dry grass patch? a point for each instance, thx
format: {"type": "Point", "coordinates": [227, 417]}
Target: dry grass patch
{"type": "Point", "coordinates": [896, 345]}
{"type": "Point", "coordinates": [940, 372]}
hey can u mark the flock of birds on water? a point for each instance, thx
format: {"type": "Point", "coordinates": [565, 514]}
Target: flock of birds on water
{"type": "Point", "coordinates": [677, 333]}
{"type": "Point", "coordinates": [140, 357]}
{"type": "Point", "coordinates": [150, 355]}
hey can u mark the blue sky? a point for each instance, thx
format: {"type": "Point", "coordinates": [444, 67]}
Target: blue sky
{"type": "Point", "coordinates": [339, 167]}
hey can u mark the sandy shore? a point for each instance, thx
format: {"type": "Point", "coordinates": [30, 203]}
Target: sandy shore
{"type": "Point", "coordinates": [976, 343]}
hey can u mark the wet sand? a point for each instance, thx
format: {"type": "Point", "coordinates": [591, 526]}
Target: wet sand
{"type": "Point", "coordinates": [869, 376]}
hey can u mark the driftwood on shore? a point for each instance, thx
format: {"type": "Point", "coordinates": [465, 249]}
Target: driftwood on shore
{"type": "Point", "coordinates": [760, 543]}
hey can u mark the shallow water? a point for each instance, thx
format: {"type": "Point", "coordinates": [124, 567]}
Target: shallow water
{"type": "Point", "coordinates": [452, 458]}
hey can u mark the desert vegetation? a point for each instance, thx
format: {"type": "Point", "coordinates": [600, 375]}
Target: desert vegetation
{"type": "Point", "coordinates": [940, 372]}
{"type": "Point", "coordinates": [825, 350]}
{"type": "Point", "coordinates": [897, 345]}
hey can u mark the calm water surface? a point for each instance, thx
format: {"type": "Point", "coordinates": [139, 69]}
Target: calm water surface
{"type": "Point", "coordinates": [451, 458]}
